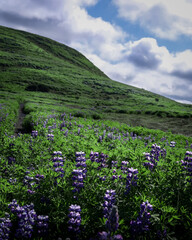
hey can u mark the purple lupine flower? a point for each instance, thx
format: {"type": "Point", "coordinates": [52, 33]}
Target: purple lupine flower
{"type": "Point", "coordinates": [11, 160]}
{"type": "Point", "coordinates": [32, 182]}
{"type": "Point", "coordinates": [57, 153]}
{"type": "Point", "coordinates": [109, 202]}
{"type": "Point", "coordinates": [131, 179]}
{"type": "Point", "coordinates": [58, 164]}
{"type": "Point", "coordinates": [26, 219]}
{"type": "Point", "coordinates": [99, 158]}
{"type": "Point", "coordinates": [81, 160]}
{"type": "Point", "coordinates": [114, 163]}
{"type": "Point", "coordinates": [187, 163]}
{"type": "Point", "coordinates": [5, 225]}
{"type": "Point", "coordinates": [42, 225]}
{"type": "Point", "coordinates": [102, 178]}
{"type": "Point", "coordinates": [100, 139]}
{"type": "Point", "coordinates": [153, 156]}
{"type": "Point", "coordinates": [124, 166]}
{"type": "Point", "coordinates": [50, 137]}
{"type": "Point", "coordinates": [74, 218]}
{"type": "Point", "coordinates": [162, 235]}
{"type": "Point", "coordinates": [112, 222]}
{"type": "Point", "coordinates": [172, 144]}
{"type": "Point", "coordinates": [34, 133]}
{"type": "Point", "coordinates": [117, 237]}
{"type": "Point", "coordinates": [78, 180]}
{"type": "Point", "coordinates": [102, 235]}
{"type": "Point", "coordinates": [143, 221]}
{"type": "Point", "coordinates": [12, 180]}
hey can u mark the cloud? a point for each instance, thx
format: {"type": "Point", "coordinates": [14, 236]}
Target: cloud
{"type": "Point", "coordinates": [142, 63]}
{"type": "Point", "coordinates": [144, 53]}
{"type": "Point", "coordinates": [166, 19]}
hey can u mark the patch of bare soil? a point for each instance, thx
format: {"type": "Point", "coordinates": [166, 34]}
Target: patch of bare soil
{"type": "Point", "coordinates": [19, 125]}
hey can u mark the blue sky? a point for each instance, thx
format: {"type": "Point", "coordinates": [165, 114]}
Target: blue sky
{"type": "Point", "coordinates": [147, 44]}
{"type": "Point", "coordinates": [108, 12]}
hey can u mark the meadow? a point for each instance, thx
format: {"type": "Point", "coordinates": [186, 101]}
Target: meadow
{"type": "Point", "coordinates": [85, 157]}
{"type": "Point", "coordinates": [80, 178]}
{"type": "Point", "coordinates": [42, 73]}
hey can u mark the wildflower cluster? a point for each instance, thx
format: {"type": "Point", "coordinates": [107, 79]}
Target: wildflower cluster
{"type": "Point", "coordinates": [124, 166]}
{"type": "Point", "coordinates": [42, 225]}
{"type": "Point", "coordinates": [109, 202]}
{"type": "Point", "coordinates": [58, 163]}
{"type": "Point", "coordinates": [50, 136]}
{"type": "Point", "coordinates": [5, 225]}
{"type": "Point", "coordinates": [11, 160]}
{"type": "Point", "coordinates": [34, 133]}
{"type": "Point", "coordinates": [81, 160]}
{"type": "Point", "coordinates": [74, 218]}
{"type": "Point", "coordinates": [143, 221]}
{"type": "Point", "coordinates": [153, 156]}
{"type": "Point", "coordinates": [32, 182]}
{"type": "Point", "coordinates": [99, 158]}
{"type": "Point", "coordinates": [187, 163]}
{"type": "Point", "coordinates": [27, 218]}
{"type": "Point", "coordinates": [112, 217]}
{"type": "Point", "coordinates": [131, 179]}
{"type": "Point", "coordinates": [79, 174]}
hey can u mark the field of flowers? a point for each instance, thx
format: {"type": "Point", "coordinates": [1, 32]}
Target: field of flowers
{"type": "Point", "coordinates": [80, 178]}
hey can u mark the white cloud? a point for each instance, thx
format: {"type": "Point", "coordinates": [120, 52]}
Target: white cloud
{"type": "Point", "coordinates": [166, 19]}
{"type": "Point", "coordinates": [142, 63]}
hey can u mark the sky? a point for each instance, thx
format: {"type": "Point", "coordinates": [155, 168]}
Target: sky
{"type": "Point", "coordinates": [146, 44]}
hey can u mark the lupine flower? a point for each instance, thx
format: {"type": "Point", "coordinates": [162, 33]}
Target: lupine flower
{"type": "Point", "coordinates": [102, 235]}
{"type": "Point", "coordinates": [162, 235]}
{"type": "Point", "coordinates": [11, 160]}
{"type": "Point", "coordinates": [74, 218]}
{"type": "Point", "coordinates": [34, 133]}
{"type": "Point", "coordinates": [114, 163]}
{"type": "Point", "coordinates": [32, 182]}
{"type": "Point", "coordinates": [78, 180]}
{"type": "Point", "coordinates": [42, 224]}
{"type": "Point", "coordinates": [153, 156]}
{"type": "Point", "coordinates": [58, 164]}
{"type": "Point", "coordinates": [102, 178]}
{"type": "Point", "coordinates": [187, 163]}
{"type": "Point", "coordinates": [124, 166]}
{"type": "Point", "coordinates": [143, 221]}
{"type": "Point", "coordinates": [99, 158]}
{"type": "Point", "coordinates": [26, 219]}
{"type": "Point", "coordinates": [50, 137]}
{"type": "Point", "coordinates": [5, 225]}
{"type": "Point", "coordinates": [13, 181]}
{"type": "Point", "coordinates": [131, 179]}
{"type": "Point", "coordinates": [81, 160]}
{"type": "Point", "coordinates": [112, 222]}
{"type": "Point", "coordinates": [109, 202]}
{"type": "Point", "coordinates": [172, 144]}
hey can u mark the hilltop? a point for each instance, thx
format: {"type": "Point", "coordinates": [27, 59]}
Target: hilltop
{"type": "Point", "coordinates": [43, 74]}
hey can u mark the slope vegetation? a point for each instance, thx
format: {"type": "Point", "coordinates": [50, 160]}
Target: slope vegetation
{"type": "Point", "coordinates": [44, 74]}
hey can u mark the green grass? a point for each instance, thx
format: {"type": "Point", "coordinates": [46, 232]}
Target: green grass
{"type": "Point", "coordinates": [47, 74]}
{"type": "Point", "coordinates": [166, 186]}
{"type": "Point", "coordinates": [48, 79]}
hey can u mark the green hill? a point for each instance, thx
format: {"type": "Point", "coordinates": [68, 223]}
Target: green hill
{"type": "Point", "coordinates": [44, 74]}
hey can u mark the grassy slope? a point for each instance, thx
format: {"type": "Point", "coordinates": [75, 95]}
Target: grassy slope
{"type": "Point", "coordinates": [43, 74]}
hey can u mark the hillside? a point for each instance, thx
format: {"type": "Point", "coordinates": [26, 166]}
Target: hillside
{"type": "Point", "coordinates": [44, 74]}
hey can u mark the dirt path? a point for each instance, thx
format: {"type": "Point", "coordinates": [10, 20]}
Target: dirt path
{"type": "Point", "coordinates": [19, 127]}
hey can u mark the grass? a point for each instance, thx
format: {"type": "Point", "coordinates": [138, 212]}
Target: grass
{"type": "Point", "coordinates": [71, 106]}
{"type": "Point", "coordinates": [24, 157]}
{"type": "Point", "coordinates": [47, 74]}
